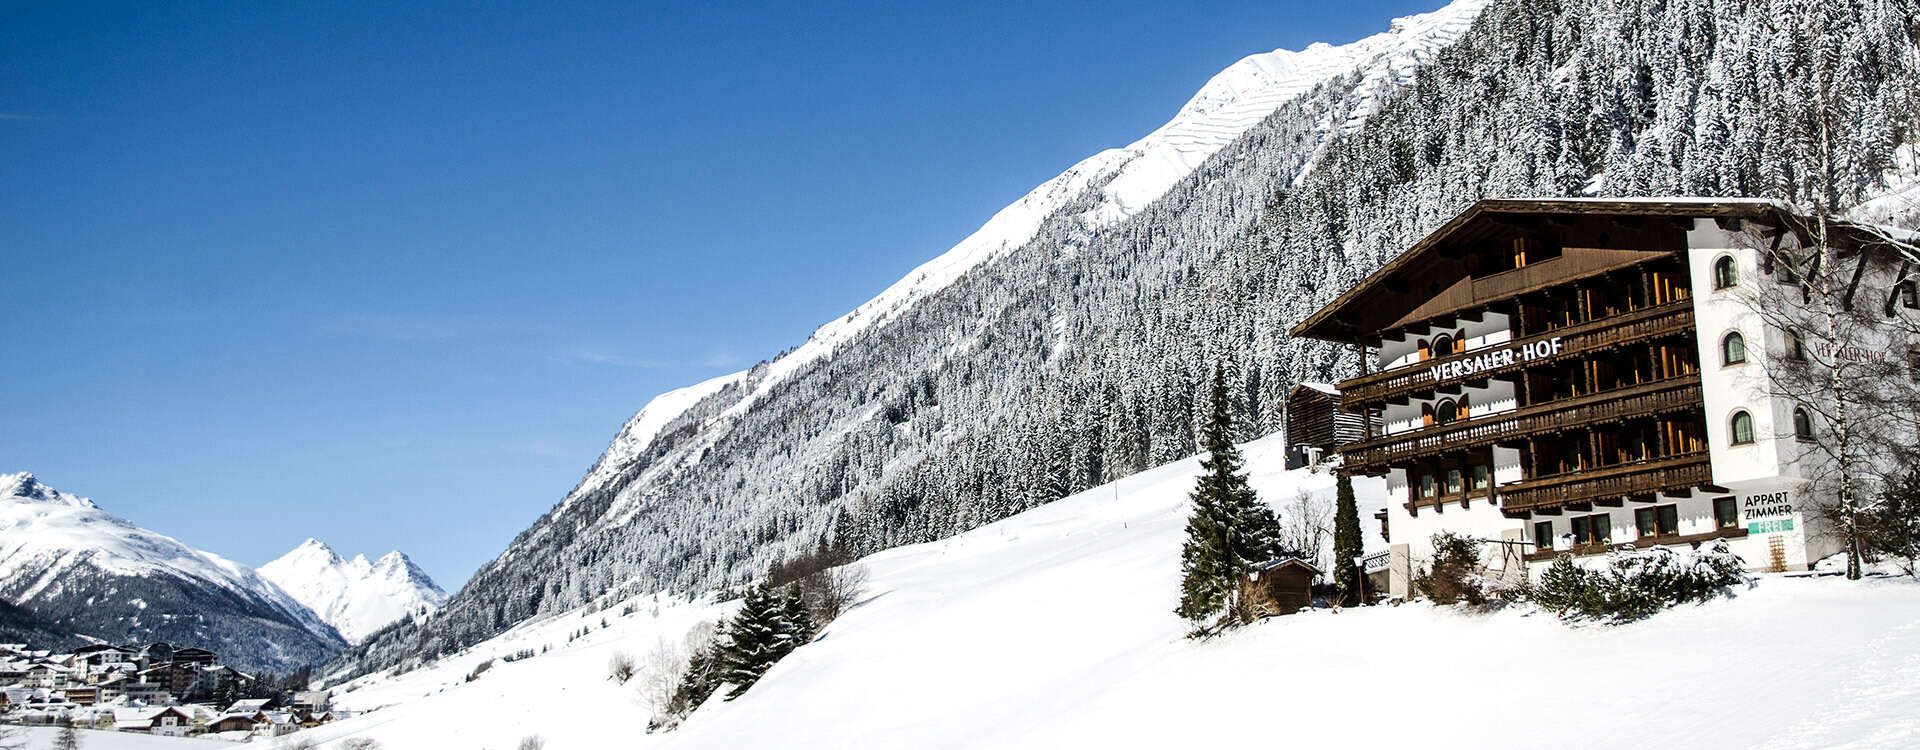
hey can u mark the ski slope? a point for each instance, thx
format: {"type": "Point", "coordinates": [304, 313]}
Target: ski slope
{"type": "Point", "coordinates": [1054, 628]}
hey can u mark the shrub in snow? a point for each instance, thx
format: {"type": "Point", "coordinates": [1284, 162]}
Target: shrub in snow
{"type": "Point", "coordinates": [1636, 584]}
{"type": "Point", "coordinates": [360, 743]}
{"type": "Point", "coordinates": [620, 667]}
{"type": "Point", "coordinates": [532, 742]}
{"type": "Point", "coordinates": [479, 669]}
{"type": "Point", "coordinates": [1454, 576]}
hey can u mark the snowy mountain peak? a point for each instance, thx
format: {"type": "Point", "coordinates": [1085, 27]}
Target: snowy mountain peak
{"type": "Point", "coordinates": [355, 596]}
{"type": "Point", "coordinates": [22, 486]}
{"type": "Point", "coordinates": [92, 572]}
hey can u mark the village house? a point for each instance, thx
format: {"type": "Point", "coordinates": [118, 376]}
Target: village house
{"type": "Point", "coordinates": [165, 721]}
{"type": "Point", "coordinates": [1567, 376]}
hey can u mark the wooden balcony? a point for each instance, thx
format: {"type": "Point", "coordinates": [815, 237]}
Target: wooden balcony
{"type": "Point", "coordinates": [1669, 475]}
{"type": "Point", "coordinates": [1659, 397]}
{"type": "Point", "coordinates": [1575, 341]}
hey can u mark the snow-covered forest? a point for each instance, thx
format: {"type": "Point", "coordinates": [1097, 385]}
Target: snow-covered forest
{"type": "Point", "coordinates": [1080, 356]}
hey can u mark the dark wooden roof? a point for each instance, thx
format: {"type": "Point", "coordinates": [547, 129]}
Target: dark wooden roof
{"type": "Point", "coordinates": [1397, 289]}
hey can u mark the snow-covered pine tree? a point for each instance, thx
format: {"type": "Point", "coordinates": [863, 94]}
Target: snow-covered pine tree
{"type": "Point", "coordinates": [67, 739]}
{"type": "Point", "coordinates": [1230, 530]}
{"type": "Point", "coordinates": [753, 640]}
{"type": "Point", "coordinates": [796, 621]}
{"type": "Point", "coordinates": [1347, 543]}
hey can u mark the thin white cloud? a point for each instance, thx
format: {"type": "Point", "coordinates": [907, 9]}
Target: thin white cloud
{"type": "Point", "coordinates": [429, 328]}
{"type": "Point", "coordinates": [603, 358]}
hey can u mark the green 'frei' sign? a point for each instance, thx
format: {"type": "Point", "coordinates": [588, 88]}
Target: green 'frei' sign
{"type": "Point", "coordinates": [1774, 526]}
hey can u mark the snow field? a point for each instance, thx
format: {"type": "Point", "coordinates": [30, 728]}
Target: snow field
{"type": "Point", "coordinates": [1054, 628]}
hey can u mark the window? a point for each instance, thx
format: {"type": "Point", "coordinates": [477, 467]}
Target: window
{"type": "Point", "coordinates": [1802, 423]}
{"type": "Point", "coordinates": [1796, 349]}
{"type": "Point", "coordinates": [1663, 520]}
{"type": "Point", "coordinates": [1543, 535]}
{"type": "Point", "coordinates": [1908, 297]}
{"type": "Point", "coordinates": [1427, 486]}
{"type": "Point", "coordinates": [1725, 274]}
{"type": "Point", "coordinates": [1594, 529]}
{"type": "Point", "coordinates": [1726, 514]}
{"type": "Point", "coordinates": [1453, 482]}
{"type": "Point", "coordinates": [1482, 477]}
{"type": "Point", "coordinates": [1445, 411]}
{"type": "Point", "coordinates": [1742, 424]}
{"type": "Point", "coordinates": [1733, 349]}
{"type": "Point", "coordinates": [1443, 346]}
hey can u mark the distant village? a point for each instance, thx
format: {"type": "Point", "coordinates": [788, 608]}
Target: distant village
{"type": "Point", "coordinates": [158, 689]}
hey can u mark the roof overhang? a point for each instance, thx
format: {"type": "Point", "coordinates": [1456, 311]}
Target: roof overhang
{"type": "Point", "coordinates": [1355, 316]}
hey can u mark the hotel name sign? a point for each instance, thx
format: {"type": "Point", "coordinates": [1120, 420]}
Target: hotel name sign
{"type": "Point", "coordinates": [1495, 359]}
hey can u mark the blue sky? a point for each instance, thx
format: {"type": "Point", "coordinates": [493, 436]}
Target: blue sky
{"type": "Point", "coordinates": [392, 277]}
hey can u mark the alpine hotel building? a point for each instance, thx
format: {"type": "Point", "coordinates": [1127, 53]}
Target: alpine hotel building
{"type": "Point", "coordinates": [1575, 375]}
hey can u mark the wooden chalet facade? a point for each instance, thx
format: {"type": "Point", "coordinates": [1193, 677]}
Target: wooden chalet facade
{"type": "Point", "coordinates": [1536, 378]}
{"type": "Point", "coordinates": [1316, 425]}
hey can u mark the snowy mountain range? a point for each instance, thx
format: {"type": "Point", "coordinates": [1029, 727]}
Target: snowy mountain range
{"type": "Point", "coordinates": [1060, 346]}
{"type": "Point", "coordinates": [73, 572]}
{"type": "Point", "coordinates": [355, 596]}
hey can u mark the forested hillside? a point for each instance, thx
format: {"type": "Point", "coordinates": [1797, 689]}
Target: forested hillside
{"type": "Point", "coordinates": [1079, 356]}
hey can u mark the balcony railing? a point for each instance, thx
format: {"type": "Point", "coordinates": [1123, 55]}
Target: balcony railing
{"type": "Point", "coordinates": [1649, 322]}
{"type": "Point", "coordinates": [1673, 394]}
{"type": "Point", "coordinates": [1662, 475]}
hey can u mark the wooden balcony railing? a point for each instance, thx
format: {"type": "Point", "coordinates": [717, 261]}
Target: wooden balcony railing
{"type": "Point", "coordinates": [1645, 323]}
{"type": "Point", "coordinates": [1662, 475]}
{"type": "Point", "coordinates": [1673, 394]}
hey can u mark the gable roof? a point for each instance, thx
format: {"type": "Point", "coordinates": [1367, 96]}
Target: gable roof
{"type": "Point", "coordinates": [1340, 320]}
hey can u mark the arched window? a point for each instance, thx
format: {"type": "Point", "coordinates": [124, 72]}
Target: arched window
{"type": "Point", "coordinates": [1742, 424]}
{"type": "Point", "coordinates": [1442, 346]}
{"type": "Point", "coordinates": [1802, 423]}
{"type": "Point", "coordinates": [1445, 411]}
{"type": "Point", "coordinates": [1725, 274]}
{"type": "Point", "coordinates": [1733, 349]}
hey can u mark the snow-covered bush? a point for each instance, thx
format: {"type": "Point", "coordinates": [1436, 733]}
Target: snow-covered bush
{"type": "Point", "coordinates": [620, 667]}
{"type": "Point", "coordinates": [1454, 575]}
{"type": "Point", "coordinates": [1636, 584]}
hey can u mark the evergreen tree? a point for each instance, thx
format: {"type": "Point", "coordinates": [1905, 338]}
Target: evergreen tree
{"type": "Point", "coordinates": [1347, 544]}
{"type": "Point", "coordinates": [67, 739]}
{"type": "Point", "coordinates": [1230, 530]}
{"type": "Point", "coordinates": [796, 620]}
{"type": "Point", "coordinates": [756, 638]}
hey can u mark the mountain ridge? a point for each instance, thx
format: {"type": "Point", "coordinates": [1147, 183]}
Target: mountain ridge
{"type": "Point", "coordinates": [80, 570]}
{"type": "Point", "coordinates": [355, 596]}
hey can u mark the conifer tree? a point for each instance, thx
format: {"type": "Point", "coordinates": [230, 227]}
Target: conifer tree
{"type": "Point", "coordinates": [1347, 543]}
{"type": "Point", "coordinates": [1230, 530]}
{"type": "Point", "coordinates": [796, 620]}
{"type": "Point", "coordinates": [67, 739]}
{"type": "Point", "coordinates": [752, 643]}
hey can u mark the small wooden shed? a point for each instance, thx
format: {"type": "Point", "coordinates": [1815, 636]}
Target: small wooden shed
{"type": "Point", "coordinates": [1281, 586]}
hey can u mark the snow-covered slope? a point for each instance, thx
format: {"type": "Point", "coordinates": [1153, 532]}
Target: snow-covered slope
{"type": "Point", "coordinates": [1126, 180]}
{"type": "Point", "coordinates": [355, 596]}
{"type": "Point", "coordinates": [1054, 628]}
{"type": "Point", "coordinates": [90, 572]}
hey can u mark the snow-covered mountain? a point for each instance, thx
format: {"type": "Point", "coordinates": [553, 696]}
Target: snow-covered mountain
{"type": "Point", "coordinates": [85, 571]}
{"type": "Point", "coordinates": [1061, 346]}
{"type": "Point", "coordinates": [1103, 189]}
{"type": "Point", "coordinates": [355, 596]}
